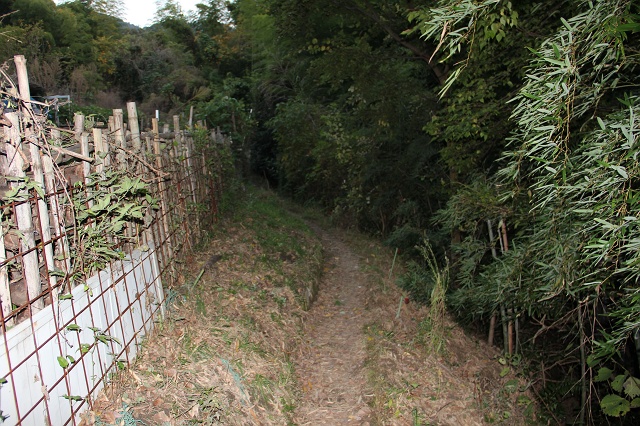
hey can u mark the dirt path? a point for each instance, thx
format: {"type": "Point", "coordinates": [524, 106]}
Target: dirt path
{"type": "Point", "coordinates": [231, 350]}
{"type": "Point", "coordinates": [330, 364]}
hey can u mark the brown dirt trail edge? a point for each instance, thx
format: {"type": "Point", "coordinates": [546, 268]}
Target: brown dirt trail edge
{"type": "Point", "coordinates": [330, 363]}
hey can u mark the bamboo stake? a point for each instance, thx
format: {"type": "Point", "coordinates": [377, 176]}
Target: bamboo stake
{"type": "Point", "coordinates": [134, 126]}
{"type": "Point", "coordinates": [5, 291]}
{"type": "Point", "coordinates": [57, 212]}
{"type": "Point", "coordinates": [191, 118]}
{"type": "Point", "coordinates": [24, 221]}
{"type": "Point", "coordinates": [86, 167]}
{"type": "Point", "coordinates": [191, 172]}
{"type": "Point", "coordinates": [100, 151]}
{"type": "Point", "coordinates": [118, 123]}
{"type": "Point", "coordinates": [78, 125]}
{"type": "Point", "coordinates": [148, 144]}
{"type": "Point", "coordinates": [36, 168]}
{"type": "Point", "coordinates": [165, 233]}
{"type": "Point", "coordinates": [181, 173]}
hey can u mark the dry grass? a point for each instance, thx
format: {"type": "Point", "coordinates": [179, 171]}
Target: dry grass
{"type": "Point", "coordinates": [464, 384]}
{"type": "Point", "coordinates": [222, 355]}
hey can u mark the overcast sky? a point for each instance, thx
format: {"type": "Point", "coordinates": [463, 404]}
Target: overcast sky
{"type": "Point", "coordinates": [141, 12]}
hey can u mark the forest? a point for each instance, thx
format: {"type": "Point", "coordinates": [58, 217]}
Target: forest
{"type": "Point", "coordinates": [503, 135]}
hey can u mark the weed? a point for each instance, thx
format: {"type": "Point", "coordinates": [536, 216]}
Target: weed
{"type": "Point", "coordinates": [262, 389]}
{"type": "Point", "coordinates": [201, 308]}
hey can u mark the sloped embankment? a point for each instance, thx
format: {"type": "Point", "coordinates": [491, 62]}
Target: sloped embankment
{"type": "Point", "coordinates": [237, 347]}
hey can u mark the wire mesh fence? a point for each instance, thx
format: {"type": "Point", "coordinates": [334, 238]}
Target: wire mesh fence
{"type": "Point", "coordinates": [92, 222]}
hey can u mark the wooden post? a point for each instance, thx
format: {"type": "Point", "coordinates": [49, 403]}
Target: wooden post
{"type": "Point", "coordinates": [24, 221]}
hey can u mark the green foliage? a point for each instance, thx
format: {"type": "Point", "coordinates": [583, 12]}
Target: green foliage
{"type": "Point", "coordinates": [459, 26]}
{"type": "Point", "coordinates": [437, 310]}
{"type": "Point", "coordinates": [417, 282]}
{"type": "Point", "coordinates": [566, 188]}
{"type": "Point", "coordinates": [103, 210]}
{"type": "Point", "coordinates": [626, 396]}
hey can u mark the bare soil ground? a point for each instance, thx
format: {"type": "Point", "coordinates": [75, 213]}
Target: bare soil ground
{"type": "Point", "coordinates": [331, 360]}
{"type": "Point", "coordinates": [238, 348]}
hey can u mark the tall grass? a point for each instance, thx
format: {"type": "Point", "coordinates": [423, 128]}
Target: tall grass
{"type": "Point", "coordinates": [440, 281]}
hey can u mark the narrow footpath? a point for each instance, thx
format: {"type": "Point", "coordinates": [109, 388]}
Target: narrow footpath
{"type": "Point", "coordinates": [330, 363]}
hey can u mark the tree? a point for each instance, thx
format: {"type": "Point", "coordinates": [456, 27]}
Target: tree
{"type": "Point", "coordinates": [114, 8]}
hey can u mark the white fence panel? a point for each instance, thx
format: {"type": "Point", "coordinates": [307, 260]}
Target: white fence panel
{"type": "Point", "coordinates": [118, 304]}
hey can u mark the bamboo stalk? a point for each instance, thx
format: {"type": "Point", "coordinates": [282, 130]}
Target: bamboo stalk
{"type": "Point", "coordinates": [57, 213]}
{"type": "Point", "coordinates": [510, 331]}
{"type": "Point", "coordinates": [505, 328]}
{"type": "Point", "coordinates": [134, 126]}
{"type": "Point", "coordinates": [191, 172]}
{"type": "Point", "coordinates": [36, 169]}
{"type": "Point", "coordinates": [24, 215]}
{"type": "Point", "coordinates": [62, 246]}
{"type": "Point", "coordinates": [118, 130]}
{"type": "Point", "coordinates": [86, 167]}
{"type": "Point", "coordinates": [182, 174]}
{"type": "Point", "coordinates": [494, 254]}
{"type": "Point", "coordinates": [100, 151]}
{"type": "Point", "coordinates": [5, 291]}
{"type": "Point", "coordinates": [165, 233]}
{"type": "Point", "coordinates": [505, 248]}
{"type": "Point", "coordinates": [492, 329]}
{"type": "Point", "coordinates": [583, 366]}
